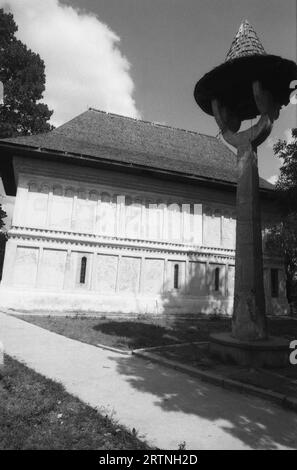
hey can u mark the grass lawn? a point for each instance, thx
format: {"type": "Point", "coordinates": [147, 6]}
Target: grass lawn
{"type": "Point", "coordinates": [37, 413]}
{"type": "Point", "coordinates": [146, 332]}
{"type": "Point", "coordinates": [129, 334]}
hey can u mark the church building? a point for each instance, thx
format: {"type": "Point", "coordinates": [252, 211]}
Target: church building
{"type": "Point", "coordinates": [117, 215]}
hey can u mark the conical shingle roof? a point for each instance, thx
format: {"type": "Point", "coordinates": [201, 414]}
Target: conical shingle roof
{"type": "Point", "coordinates": [232, 82]}
{"type": "Point", "coordinates": [245, 43]}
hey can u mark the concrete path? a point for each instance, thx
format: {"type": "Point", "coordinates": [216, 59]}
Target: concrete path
{"type": "Point", "coordinates": [165, 406]}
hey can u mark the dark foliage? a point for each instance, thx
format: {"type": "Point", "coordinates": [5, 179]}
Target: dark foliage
{"type": "Point", "coordinates": [22, 73]}
{"type": "Point", "coordinates": [287, 183]}
{"type": "Point", "coordinates": [283, 237]}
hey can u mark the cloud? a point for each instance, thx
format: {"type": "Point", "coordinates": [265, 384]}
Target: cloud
{"type": "Point", "coordinates": [272, 179]}
{"type": "Point", "coordinates": [288, 136]}
{"type": "Point", "coordinates": [84, 65]}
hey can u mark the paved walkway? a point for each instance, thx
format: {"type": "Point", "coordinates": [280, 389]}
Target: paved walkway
{"type": "Point", "coordinates": [165, 406]}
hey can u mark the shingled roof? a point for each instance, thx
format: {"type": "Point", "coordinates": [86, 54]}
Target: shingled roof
{"type": "Point", "coordinates": [245, 43]}
{"type": "Point", "coordinates": [125, 140]}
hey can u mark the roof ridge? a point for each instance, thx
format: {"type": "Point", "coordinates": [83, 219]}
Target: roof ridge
{"type": "Point", "coordinates": [152, 123]}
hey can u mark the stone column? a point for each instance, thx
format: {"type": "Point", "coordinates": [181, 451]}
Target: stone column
{"type": "Point", "coordinates": [249, 321]}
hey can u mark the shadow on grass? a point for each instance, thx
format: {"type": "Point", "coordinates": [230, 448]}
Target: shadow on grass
{"type": "Point", "coordinates": [138, 334]}
{"type": "Point", "coordinates": [129, 334]}
{"type": "Point", "coordinates": [142, 334]}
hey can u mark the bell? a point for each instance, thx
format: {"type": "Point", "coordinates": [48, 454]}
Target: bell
{"type": "Point", "coordinates": [232, 82]}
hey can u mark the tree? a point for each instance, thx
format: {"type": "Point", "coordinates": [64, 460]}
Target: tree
{"type": "Point", "coordinates": [22, 73]}
{"type": "Point", "coordinates": [283, 237]}
{"type": "Point", "coordinates": [282, 240]}
{"type": "Point", "coordinates": [286, 186]}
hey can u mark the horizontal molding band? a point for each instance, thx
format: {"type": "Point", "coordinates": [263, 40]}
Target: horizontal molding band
{"type": "Point", "coordinates": [90, 240]}
{"type": "Point", "coordinates": [100, 240]}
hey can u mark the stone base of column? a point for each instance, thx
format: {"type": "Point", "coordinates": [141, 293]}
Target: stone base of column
{"type": "Point", "coordinates": [271, 353]}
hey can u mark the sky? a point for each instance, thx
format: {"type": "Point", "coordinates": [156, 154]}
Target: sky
{"type": "Point", "coordinates": [142, 58]}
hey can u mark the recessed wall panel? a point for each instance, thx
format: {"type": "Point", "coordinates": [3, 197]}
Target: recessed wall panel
{"type": "Point", "coordinates": [106, 273]}
{"type": "Point", "coordinates": [129, 273]}
{"type": "Point", "coordinates": [25, 266]}
{"type": "Point", "coordinates": [153, 276]}
{"type": "Point", "coordinates": [52, 269]}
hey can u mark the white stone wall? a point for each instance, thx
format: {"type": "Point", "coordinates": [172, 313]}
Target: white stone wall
{"type": "Point", "coordinates": [131, 240]}
{"type": "Point", "coordinates": [35, 261]}
{"type": "Point", "coordinates": [137, 276]}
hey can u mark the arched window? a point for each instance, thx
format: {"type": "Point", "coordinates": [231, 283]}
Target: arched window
{"type": "Point", "coordinates": [58, 190]}
{"type": "Point", "coordinates": [217, 279]}
{"type": "Point", "coordinates": [83, 269]}
{"type": "Point", "coordinates": [33, 187]}
{"type": "Point", "coordinates": [176, 276]}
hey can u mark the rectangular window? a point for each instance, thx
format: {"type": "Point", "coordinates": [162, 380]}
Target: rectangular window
{"type": "Point", "coordinates": [176, 277]}
{"type": "Point", "coordinates": [274, 282]}
{"type": "Point", "coordinates": [217, 280]}
{"type": "Point", "coordinates": [83, 268]}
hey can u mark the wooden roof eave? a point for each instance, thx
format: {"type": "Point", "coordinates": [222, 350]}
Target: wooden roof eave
{"type": "Point", "coordinates": [9, 150]}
